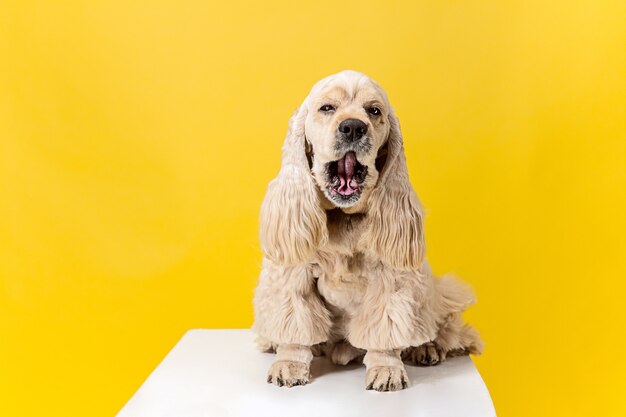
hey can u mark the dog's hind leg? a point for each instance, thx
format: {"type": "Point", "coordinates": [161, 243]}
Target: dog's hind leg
{"type": "Point", "coordinates": [454, 338]}
{"type": "Point", "coordinates": [427, 354]}
{"type": "Point", "coordinates": [265, 345]}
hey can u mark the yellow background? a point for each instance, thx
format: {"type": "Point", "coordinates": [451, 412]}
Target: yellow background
{"type": "Point", "coordinates": [137, 139]}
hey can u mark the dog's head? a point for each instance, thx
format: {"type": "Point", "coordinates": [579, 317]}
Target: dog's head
{"type": "Point", "coordinates": [343, 150]}
{"type": "Point", "coordinates": [347, 122]}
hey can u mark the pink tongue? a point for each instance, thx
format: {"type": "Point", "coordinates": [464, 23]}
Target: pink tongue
{"type": "Point", "coordinates": [345, 170]}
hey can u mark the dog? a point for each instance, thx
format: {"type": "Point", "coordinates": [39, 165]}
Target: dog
{"type": "Point", "coordinates": [342, 234]}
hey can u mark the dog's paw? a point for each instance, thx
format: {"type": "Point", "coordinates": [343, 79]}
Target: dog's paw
{"type": "Point", "coordinates": [288, 373]}
{"type": "Point", "coordinates": [428, 354]}
{"type": "Point", "coordinates": [386, 378]}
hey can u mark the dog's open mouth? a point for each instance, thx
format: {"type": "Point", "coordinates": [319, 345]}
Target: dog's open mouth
{"type": "Point", "coordinates": [345, 178]}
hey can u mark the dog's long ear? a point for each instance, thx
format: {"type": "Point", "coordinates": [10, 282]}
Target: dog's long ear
{"type": "Point", "coordinates": [394, 229]}
{"type": "Point", "coordinates": [293, 223]}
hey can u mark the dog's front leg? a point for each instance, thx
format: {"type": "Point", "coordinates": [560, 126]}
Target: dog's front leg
{"type": "Point", "coordinates": [394, 314]}
{"type": "Point", "coordinates": [385, 370]}
{"type": "Point", "coordinates": [291, 366]}
{"type": "Point", "coordinates": [290, 314]}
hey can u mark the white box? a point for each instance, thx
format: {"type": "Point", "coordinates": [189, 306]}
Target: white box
{"type": "Point", "coordinates": [219, 373]}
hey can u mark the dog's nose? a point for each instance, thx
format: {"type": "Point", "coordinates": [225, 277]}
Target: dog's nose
{"type": "Point", "coordinates": [352, 129]}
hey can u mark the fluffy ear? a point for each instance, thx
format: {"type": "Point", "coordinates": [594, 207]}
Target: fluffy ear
{"type": "Point", "coordinates": [293, 223]}
{"type": "Point", "coordinates": [394, 228]}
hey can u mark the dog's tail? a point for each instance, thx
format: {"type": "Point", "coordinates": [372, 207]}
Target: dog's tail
{"type": "Point", "coordinates": [455, 336]}
{"type": "Point", "coordinates": [453, 296]}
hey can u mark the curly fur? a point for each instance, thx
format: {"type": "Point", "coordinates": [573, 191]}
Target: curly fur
{"type": "Point", "coordinates": [350, 281]}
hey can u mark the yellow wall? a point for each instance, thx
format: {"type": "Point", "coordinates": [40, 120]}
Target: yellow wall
{"type": "Point", "coordinates": [137, 139]}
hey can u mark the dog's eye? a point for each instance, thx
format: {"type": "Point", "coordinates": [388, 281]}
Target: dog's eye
{"type": "Point", "coordinates": [327, 108]}
{"type": "Point", "coordinates": [374, 111]}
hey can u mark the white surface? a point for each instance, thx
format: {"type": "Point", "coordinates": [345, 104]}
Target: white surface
{"type": "Point", "coordinates": [219, 373]}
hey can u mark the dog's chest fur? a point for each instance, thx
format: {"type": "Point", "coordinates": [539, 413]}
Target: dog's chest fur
{"type": "Point", "coordinates": [341, 266]}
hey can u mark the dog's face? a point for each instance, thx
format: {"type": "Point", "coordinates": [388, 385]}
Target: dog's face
{"type": "Point", "coordinates": [346, 125]}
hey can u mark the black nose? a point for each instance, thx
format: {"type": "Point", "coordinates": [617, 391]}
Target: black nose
{"type": "Point", "coordinates": [352, 129]}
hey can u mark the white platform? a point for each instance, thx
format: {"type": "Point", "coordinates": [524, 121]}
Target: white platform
{"type": "Point", "coordinates": [219, 373]}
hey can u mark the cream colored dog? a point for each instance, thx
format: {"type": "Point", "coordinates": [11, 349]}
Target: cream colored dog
{"type": "Point", "coordinates": [343, 242]}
